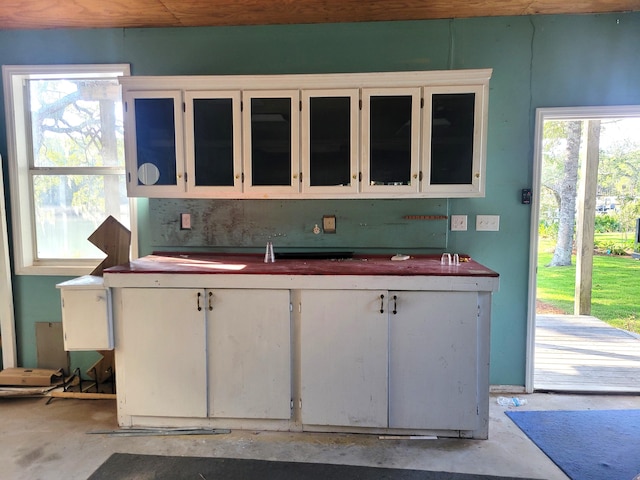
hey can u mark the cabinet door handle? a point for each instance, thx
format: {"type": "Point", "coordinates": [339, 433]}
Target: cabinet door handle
{"type": "Point", "coordinates": [381, 303]}
{"type": "Point", "coordinates": [199, 306]}
{"type": "Point", "coordinates": [395, 304]}
{"type": "Point", "coordinates": [210, 301]}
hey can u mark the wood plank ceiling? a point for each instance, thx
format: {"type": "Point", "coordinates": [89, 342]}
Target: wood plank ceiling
{"type": "Point", "coordinates": [46, 14]}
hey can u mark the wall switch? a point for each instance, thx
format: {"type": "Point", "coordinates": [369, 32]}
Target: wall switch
{"type": "Point", "coordinates": [185, 221]}
{"type": "Point", "coordinates": [329, 224]}
{"type": "Point", "coordinates": [458, 223]}
{"type": "Point", "coordinates": [487, 223]}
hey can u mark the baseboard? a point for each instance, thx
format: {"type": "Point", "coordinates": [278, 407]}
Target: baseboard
{"type": "Point", "coordinates": [507, 389]}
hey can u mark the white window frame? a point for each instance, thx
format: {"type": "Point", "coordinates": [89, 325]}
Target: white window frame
{"type": "Point", "coordinates": [18, 146]}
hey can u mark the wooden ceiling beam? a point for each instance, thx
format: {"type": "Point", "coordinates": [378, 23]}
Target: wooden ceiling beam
{"type": "Point", "coordinates": [45, 14]}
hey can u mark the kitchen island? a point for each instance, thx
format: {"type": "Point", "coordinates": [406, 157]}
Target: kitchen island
{"type": "Point", "coordinates": [361, 344]}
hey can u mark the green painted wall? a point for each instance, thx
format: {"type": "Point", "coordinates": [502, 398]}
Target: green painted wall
{"type": "Point", "coordinates": [538, 61]}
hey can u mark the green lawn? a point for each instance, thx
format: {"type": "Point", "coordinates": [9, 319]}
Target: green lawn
{"type": "Point", "coordinates": [615, 296]}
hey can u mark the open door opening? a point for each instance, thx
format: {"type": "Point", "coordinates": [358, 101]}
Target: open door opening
{"type": "Point", "coordinates": [584, 314]}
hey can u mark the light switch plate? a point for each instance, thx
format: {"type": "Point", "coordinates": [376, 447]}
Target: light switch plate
{"type": "Point", "coordinates": [487, 223]}
{"type": "Point", "coordinates": [185, 221]}
{"type": "Point", "coordinates": [458, 223]}
{"type": "Point", "coordinates": [329, 224]}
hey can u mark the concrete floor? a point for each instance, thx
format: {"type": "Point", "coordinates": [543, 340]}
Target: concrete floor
{"type": "Point", "coordinates": [40, 441]}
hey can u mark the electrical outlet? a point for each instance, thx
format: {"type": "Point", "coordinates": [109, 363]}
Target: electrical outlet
{"type": "Point", "coordinates": [185, 221]}
{"type": "Point", "coordinates": [458, 223]}
{"type": "Point", "coordinates": [329, 224]}
{"type": "Point", "coordinates": [487, 223]}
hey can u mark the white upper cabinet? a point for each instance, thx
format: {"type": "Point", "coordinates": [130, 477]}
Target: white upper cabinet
{"type": "Point", "coordinates": [359, 135]}
{"type": "Point", "coordinates": [270, 143]}
{"type": "Point", "coordinates": [454, 132]}
{"type": "Point", "coordinates": [154, 143]}
{"type": "Point", "coordinates": [213, 142]}
{"type": "Point", "coordinates": [329, 141]}
{"type": "Point", "coordinates": [390, 140]}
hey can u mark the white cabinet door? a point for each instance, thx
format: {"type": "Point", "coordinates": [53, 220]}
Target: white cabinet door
{"type": "Point", "coordinates": [249, 353]}
{"type": "Point", "coordinates": [87, 322]}
{"type": "Point", "coordinates": [344, 363]}
{"type": "Point", "coordinates": [213, 143]}
{"type": "Point", "coordinates": [270, 136]}
{"type": "Point", "coordinates": [154, 143]}
{"type": "Point", "coordinates": [161, 353]}
{"type": "Point", "coordinates": [390, 140]}
{"type": "Point", "coordinates": [329, 141]}
{"type": "Point", "coordinates": [433, 377]}
{"type": "Point", "coordinates": [454, 140]}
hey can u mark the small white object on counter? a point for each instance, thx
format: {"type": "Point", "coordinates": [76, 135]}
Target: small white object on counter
{"type": "Point", "coordinates": [400, 257]}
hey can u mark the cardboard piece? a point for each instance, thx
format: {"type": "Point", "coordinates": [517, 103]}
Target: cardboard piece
{"type": "Point", "coordinates": [114, 239]}
{"type": "Point", "coordinates": [33, 377]}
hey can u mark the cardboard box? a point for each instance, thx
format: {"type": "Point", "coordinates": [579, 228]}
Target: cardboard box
{"type": "Point", "coordinates": [33, 377]}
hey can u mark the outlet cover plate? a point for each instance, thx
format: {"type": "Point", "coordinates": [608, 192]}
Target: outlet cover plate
{"type": "Point", "coordinates": [329, 224]}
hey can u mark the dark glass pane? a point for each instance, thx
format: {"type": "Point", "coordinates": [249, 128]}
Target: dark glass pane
{"type": "Point", "coordinates": [390, 147]}
{"type": "Point", "coordinates": [271, 141]}
{"type": "Point", "coordinates": [155, 137]}
{"type": "Point", "coordinates": [330, 137]}
{"type": "Point", "coordinates": [452, 121]}
{"type": "Point", "coordinates": [213, 137]}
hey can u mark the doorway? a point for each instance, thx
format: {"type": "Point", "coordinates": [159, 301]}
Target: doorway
{"type": "Point", "coordinates": [570, 318]}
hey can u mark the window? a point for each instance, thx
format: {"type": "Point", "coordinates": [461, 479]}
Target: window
{"type": "Point", "coordinates": [66, 163]}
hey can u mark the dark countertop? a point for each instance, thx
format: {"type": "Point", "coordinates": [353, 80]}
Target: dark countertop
{"type": "Point", "coordinates": [253, 264]}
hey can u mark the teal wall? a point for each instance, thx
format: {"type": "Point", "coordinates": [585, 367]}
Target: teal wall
{"type": "Point", "coordinates": [538, 61]}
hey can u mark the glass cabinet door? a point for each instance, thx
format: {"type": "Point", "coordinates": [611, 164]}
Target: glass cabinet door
{"type": "Point", "coordinates": [154, 156]}
{"type": "Point", "coordinates": [390, 139]}
{"type": "Point", "coordinates": [270, 141]}
{"type": "Point", "coordinates": [453, 140]}
{"type": "Point", "coordinates": [213, 142]}
{"type": "Point", "coordinates": [329, 141]}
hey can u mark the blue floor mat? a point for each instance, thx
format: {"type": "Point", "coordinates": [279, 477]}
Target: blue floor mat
{"type": "Point", "coordinates": [587, 444]}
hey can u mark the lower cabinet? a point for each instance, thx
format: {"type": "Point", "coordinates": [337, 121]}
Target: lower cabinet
{"type": "Point", "coordinates": [249, 354]}
{"type": "Point", "coordinates": [433, 365]}
{"type": "Point", "coordinates": [389, 359]}
{"type": "Point", "coordinates": [376, 359]}
{"type": "Point", "coordinates": [343, 353]}
{"type": "Point", "coordinates": [199, 353]}
{"type": "Point", "coordinates": [161, 353]}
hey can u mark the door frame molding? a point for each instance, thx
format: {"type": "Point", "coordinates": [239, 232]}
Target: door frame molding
{"type": "Point", "coordinates": [542, 114]}
{"type": "Point", "coordinates": [7, 318]}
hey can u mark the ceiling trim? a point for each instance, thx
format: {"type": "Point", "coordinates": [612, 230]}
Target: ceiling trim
{"type": "Point", "coordinates": [45, 14]}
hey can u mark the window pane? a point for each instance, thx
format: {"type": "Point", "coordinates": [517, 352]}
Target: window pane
{"type": "Point", "coordinates": [68, 209]}
{"type": "Point", "coordinates": [213, 138]}
{"type": "Point", "coordinates": [156, 141]}
{"type": "Point", "coordinates": [390, 149]}
{"type": "Point", "coordinates": [330, 137]}
{"type": "Point", "coordinates": [271, 141]}
{"type": "Point", "coordinates": [452, 138]}
{"type": "Point", "coordinates": [76, 123]}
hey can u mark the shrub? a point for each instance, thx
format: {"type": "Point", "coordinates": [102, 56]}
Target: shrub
{"type": "Point", "coordinates": [606, 223]}
{"type": "Point", "coordinates": [548, 229]}
{"type": "Point", "coordinates": [613, 248]}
